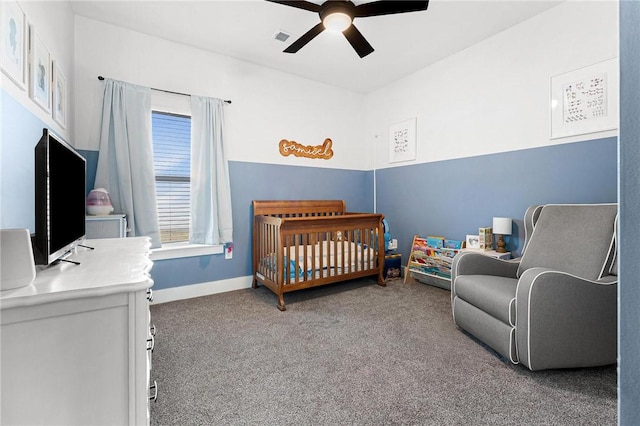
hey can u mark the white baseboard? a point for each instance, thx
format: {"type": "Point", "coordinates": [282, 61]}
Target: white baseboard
{"type": "Point", "coordinates": [202, 289]}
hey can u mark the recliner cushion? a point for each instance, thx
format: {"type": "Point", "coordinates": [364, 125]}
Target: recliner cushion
{"type": "Point", "coordinates": [491, 294]}
{"type": "Point", "coordinates": [572, 238]}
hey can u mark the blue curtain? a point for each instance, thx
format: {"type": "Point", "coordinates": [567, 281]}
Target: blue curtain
{"type": "Point", "coordinates": [211, 221]}
{"type": "Point", "coordinates": [125, 159]}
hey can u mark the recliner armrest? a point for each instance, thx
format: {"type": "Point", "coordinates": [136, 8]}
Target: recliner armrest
{"type": "Point", "coordinates": [469, 263]}
{"type": "Point", "coordinates": [565, 321]}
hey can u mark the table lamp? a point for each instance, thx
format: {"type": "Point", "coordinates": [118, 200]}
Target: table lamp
{"type": "Point", "coordinates": [501, 227]}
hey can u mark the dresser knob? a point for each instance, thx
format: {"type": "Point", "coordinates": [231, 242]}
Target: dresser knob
{"type": "Point", "coordinates": [151, 343]}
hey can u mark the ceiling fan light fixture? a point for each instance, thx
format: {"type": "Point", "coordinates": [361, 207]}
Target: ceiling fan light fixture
{"type": "Point", "coordinates": [337, 21]}
{"type": "Point", "coordinates": [338, 16]}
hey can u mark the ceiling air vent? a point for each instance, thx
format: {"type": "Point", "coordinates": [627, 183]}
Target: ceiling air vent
{"type": "Point", "coordinates": [281, 35]}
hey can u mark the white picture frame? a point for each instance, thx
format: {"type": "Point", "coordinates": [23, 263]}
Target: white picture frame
{"type": "Point", "coordinates": [402, 141]}
{"type": "Point", "coordinates": [473, 241]}
{"type": "Point", "coordinates": [59, 95]}
{"type": "Point", "coordinates": [585, 100]}
{"type": "Point", "coordinates": [39, 71]}
{"type": "Point", "coordinates": [13, 36]}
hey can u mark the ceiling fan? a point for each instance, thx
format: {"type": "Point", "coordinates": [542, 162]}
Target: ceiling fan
{"type": "Point", "coordinates": [339, 16]}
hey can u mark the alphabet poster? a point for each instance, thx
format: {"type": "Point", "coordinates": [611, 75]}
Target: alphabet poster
{"type": "Point", "coordinates": [585, 101]}
{"type": "Point", "coordinates": [402, 141]}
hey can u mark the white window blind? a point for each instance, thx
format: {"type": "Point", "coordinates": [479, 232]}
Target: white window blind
{"type": "Point", "coordinates": [171, 135]}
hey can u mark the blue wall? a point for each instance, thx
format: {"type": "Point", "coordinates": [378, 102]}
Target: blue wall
{"type": "Point", "coordinates": [20, 131]}
{"type": "Point", "coordinates": [92, 165]}
{"type": "Point", "coordinates": [454, 198]}
{"type": "Point", "coordinates": [629, 290]}
{"type": "Point", "coordinates": [255, 181]}
{"type": "Point", "coordinates": [450, 198]}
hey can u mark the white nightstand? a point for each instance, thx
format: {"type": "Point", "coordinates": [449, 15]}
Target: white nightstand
{"type": "Point", "coordinates": [107, 226]}
{"type": "Point", "coordinates": [490, 253]}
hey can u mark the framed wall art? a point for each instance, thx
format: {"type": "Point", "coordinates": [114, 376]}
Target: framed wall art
{"type": "Point", "coordinates": [59, 99]}
{"type": "Point", "coordinates": [402, 141]}
{"type": "Point", "coordinates": [14, 46]}
{"type": "Point", "coordinates": [39, 71]}
{"type": "Point", "coordinates": [585, 100]}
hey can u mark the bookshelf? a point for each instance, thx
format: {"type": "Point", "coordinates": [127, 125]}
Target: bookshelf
{"type": "Point", "coordinates": [430, 260]}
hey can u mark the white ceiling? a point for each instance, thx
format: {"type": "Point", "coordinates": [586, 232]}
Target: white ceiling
{"type": "Point", "coordinates": [403, 43]}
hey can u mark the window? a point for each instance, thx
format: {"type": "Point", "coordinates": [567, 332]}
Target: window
{"type": "Point", "coordinates": [171, 134]}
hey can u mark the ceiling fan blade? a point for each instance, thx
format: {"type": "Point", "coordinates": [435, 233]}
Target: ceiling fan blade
{"type": "Point", "coordinates": [305, 38]}
{"type": "Point", "coordinates": [377, 8]}
{"type": "Point", "coordinates": [299, 5]}
{"type": "Point", "coordinates": [357, 40]}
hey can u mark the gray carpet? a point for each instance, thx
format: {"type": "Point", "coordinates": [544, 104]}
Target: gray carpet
{"type": "Point", "coordinates": [352, 353]}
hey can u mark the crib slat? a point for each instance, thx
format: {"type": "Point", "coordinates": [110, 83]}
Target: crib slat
{"type": "Point", "coordinates": [345, 238]}
{"type": "Point", "coordinates": [341, 243]}
{"type": "Point", "coordinates": [287, 242]}
{"type": "Point", "coordinates": [313, 256]}
{"type": "Point", "coordinates": [265, 245]}
{"type": "Point", "coordinates": [321, 266]}
{"type": "Point", "coordinates": [305, 257]}
{"type": "Point", "coordinates": [365, 246]}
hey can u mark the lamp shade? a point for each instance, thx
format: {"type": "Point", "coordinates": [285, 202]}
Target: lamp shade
{"type": "Point", "coordinates": [502, 225]}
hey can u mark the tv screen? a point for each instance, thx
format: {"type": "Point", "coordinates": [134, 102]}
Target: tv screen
{"type": "Point", "coordinates": [60, 190]}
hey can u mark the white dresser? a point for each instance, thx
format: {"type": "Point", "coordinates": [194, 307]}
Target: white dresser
{"type": "Point", "coordinates": [76, 344]}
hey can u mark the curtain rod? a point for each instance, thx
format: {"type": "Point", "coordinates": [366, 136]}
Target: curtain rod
{"type": "Point", "coordinates": [226, 101]}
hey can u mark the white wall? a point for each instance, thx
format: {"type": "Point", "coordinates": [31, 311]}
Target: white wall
{"type": "Point", "coordinates": [494, 96]}
{"type": "Point", "coordinates": [53, 22]}
{"type": "Point", "coordinates": [267, 106]}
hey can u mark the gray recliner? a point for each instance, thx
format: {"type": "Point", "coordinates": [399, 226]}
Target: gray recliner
{"type": "Point", "coordinates": [556, 306]}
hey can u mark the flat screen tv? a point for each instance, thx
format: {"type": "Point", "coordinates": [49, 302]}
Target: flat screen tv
{"type": "Point", "coordinates": [60, 191]}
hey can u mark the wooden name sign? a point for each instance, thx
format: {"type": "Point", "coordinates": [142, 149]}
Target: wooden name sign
{"type": "Point", "coordinates": [323, 151]}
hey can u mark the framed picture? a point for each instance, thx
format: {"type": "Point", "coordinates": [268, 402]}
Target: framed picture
{"type": "Point", "coordinates": [402, 141]}
{"type": "Point", "coordinates": [585, 100]}
{"type": "Point", "coordinates": [39, 72]}
{"type": "Point", "coordinates": [473, 241]}
{"type": "Point", "coordinates": [59, 105]}
{"type": "Point", "coordinates": [14, 47]}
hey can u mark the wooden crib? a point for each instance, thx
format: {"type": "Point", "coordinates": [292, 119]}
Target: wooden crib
{"type": "Point", "coordinates": [306, 243]}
